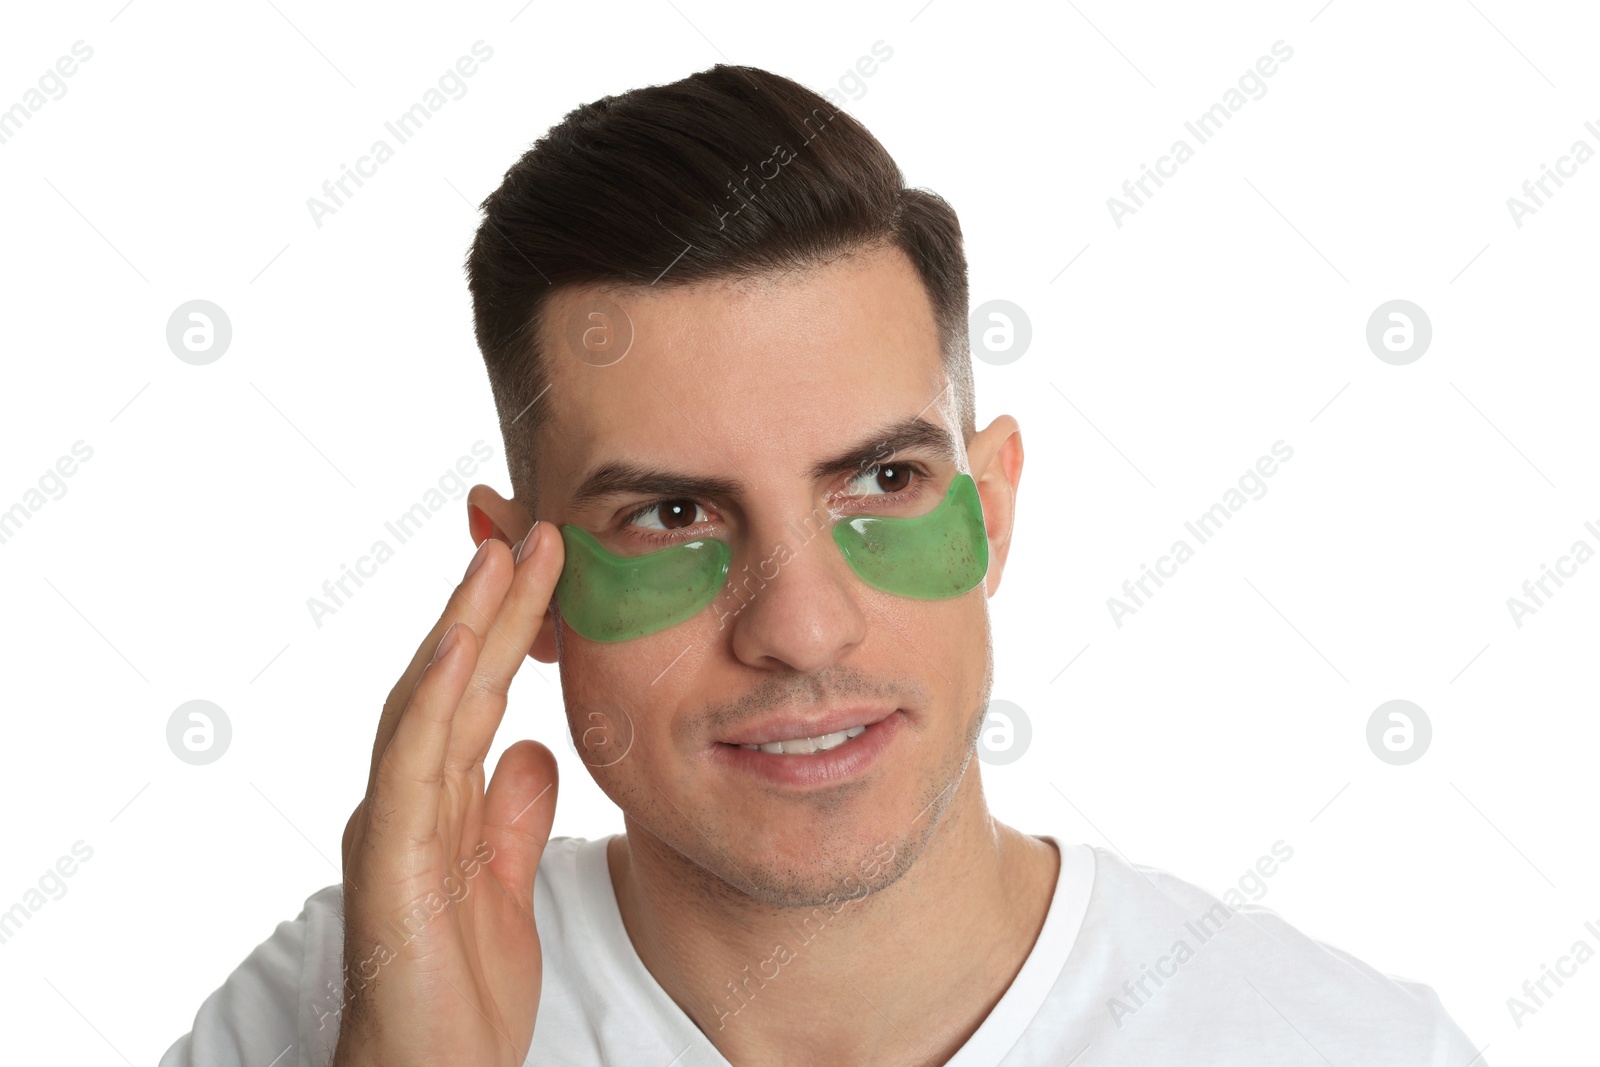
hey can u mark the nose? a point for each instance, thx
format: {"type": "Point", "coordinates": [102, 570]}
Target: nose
{"type": "Point", "coordinates": [794, 606]}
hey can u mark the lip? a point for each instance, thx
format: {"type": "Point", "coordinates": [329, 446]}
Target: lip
{"type": "Point", "coordinates": [785, 727]}
{"type": "Point", "coordinates": [817, 769]}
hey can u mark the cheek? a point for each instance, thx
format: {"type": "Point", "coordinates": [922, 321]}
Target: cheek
{"type": "Point", "coordinates": [624, 699]}
{"type": "Point", "coordinates": [603, 733]}
{"type": "Point", "coordinates": [615, 670]}
{"type": "Point", "coordinates": [956, 663]}
{"type": "Point", "coordinates": [943, 643]}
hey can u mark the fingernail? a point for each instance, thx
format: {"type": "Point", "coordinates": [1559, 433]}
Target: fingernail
{"type": "Point", "coordinates": [531, 542]}
{"type": "Point", "coordinates": [478, 558]}
{"type": "Point", "coordinates": [447, 642]}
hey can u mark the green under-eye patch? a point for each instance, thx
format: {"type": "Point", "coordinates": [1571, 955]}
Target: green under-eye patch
{"type": "Point", "coordinates": [941, 554]}
{"type": "Point", "coordinates": [605, 597]}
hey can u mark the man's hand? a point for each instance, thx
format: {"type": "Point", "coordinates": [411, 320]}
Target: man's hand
{"type": "Point", "coordinates": [442, 961]}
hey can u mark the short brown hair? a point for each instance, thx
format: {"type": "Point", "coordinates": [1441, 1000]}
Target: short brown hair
{"type": "Point", "coordinates": [675, 176]}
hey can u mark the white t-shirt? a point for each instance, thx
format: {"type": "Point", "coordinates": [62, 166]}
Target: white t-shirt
{"type": "Point", "coordinates": [1133, 966]}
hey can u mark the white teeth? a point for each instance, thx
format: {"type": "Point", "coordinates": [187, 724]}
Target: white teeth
{"type": "Point", "coordinates": [833, 740]}
{"type": "Point", "coordinates": [806, 745]}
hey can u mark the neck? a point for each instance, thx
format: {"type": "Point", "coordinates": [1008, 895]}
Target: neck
{"type": "Point", "coordinates": [904, 975]}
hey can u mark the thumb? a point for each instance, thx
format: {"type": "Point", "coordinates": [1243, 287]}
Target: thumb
{"type": "Point", "coordinates": [519, 809]}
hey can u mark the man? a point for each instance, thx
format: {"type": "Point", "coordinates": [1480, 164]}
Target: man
{"type": "Point", "coordinates": [728, 349]}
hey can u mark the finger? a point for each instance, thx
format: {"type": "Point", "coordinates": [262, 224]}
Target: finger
{"type": "Point", "coordinates": [523, 611]}
{"type": "Point", "coordinates": [519, 810]}
{"type": "Point", "coordinates": [477, 597]}
{"type": "Point", "coordinates": [349, 838]}
{"type": "Point", "coordinates": [405, 796]}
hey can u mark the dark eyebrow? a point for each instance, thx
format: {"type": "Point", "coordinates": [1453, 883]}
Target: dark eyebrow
{"type": "Point", "coordinates": [903, 436]}
{"type": "Point", "coordinates": [617, 479]}
{"type": "Point", "coordinates": [622, 478]}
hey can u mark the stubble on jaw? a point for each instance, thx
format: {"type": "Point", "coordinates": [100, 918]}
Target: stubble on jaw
{"type": "Point", "coordinates": [718, 885]}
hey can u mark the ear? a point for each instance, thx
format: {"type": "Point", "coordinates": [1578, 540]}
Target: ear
{"type": "Point", "coordinates": [490, 515]}
{"type": "Point", "coordinates": [996, 456]}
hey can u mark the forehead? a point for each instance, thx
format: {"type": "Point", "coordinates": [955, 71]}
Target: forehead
{"type": "Point", "coordinates": [757, 375]}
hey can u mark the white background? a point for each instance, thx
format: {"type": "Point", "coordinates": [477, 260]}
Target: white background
{"type": "Point", "coordinates": [1228, 313]}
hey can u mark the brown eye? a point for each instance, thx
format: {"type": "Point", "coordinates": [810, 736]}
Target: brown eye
{"type": "Point", "coordinates": [893, 479]}
{"type": "Point", "coordinates": [886, 479]}
{"type": "Point", "coordinates": [670, 515]}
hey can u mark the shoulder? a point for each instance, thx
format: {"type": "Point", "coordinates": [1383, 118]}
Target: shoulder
{"type": "Point", "coordinates": [1252, 967]}
{"type": "Point", "coordinates": [285, 993]}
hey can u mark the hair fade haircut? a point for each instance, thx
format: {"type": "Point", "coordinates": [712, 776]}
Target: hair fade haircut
{"type": "Point", "coordinates": [675, 184]}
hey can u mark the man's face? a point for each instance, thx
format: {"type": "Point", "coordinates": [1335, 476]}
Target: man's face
{"type": "Point", "coordinates": [758, 413]}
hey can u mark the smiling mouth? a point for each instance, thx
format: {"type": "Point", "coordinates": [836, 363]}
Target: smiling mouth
{"type": "Point", "coordinates": [805, 746]}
